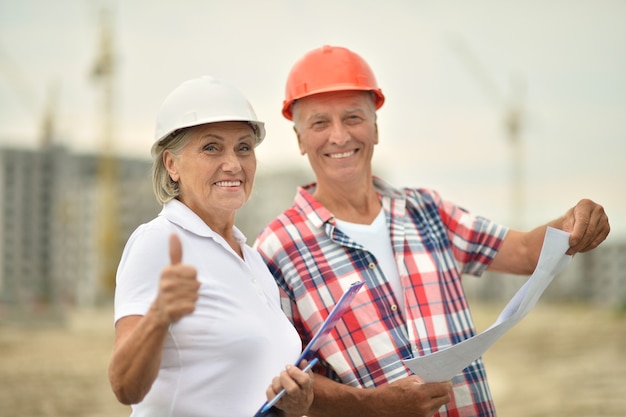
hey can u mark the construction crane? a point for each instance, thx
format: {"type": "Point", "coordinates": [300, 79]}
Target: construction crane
{"type": "Point", "coordinates": [513, 116]}
{"type": "Point", "coordinates": [49, 120]}
{"type": "Point", "coordinates": [27, 96]}
{"type": "Point", "coordinates": [107, 222]}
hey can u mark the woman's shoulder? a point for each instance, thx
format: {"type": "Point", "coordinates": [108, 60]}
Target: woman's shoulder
{"type": "Point", "coordinates": [150, 237]}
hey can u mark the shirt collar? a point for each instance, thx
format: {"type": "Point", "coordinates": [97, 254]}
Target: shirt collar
{"type": "Point", "coordinates": [181, 215]}
{"type": "Point", "coordinates": [317, 214]}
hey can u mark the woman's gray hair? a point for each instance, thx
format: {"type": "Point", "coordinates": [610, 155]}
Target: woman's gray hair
{"type": "Point", "coordinates": [166, 189]}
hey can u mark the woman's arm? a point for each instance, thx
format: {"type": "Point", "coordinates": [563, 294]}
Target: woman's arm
{"type": "Point", "coordinates": [139, 340]}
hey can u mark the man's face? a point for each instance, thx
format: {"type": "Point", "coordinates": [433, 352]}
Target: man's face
{"type": "Point", "coordinates": [337, 131]}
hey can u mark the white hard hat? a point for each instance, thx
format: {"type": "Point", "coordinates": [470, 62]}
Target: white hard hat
{"type": "Point", "coordinates": [204, 100]}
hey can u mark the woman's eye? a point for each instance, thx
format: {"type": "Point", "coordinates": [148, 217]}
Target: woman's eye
{"type": "Point", "coordinates": [210, 147]}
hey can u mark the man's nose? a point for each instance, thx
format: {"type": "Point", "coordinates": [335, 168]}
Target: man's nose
{"type": "Point", "coordinates": [339, 134]}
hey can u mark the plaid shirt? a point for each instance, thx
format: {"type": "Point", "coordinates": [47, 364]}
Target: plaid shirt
{"type": "Point", "coordinates": [434, 243]}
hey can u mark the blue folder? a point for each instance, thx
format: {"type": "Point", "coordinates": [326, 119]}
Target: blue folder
{"type": "Point", "coordinates": [313, 346]}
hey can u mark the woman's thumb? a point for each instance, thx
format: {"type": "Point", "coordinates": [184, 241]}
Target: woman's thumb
{"type": "Point", "coordinates": [176, 249]}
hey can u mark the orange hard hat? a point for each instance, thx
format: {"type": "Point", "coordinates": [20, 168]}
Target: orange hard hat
{"type": "Point", "coordinates": [326, 69]}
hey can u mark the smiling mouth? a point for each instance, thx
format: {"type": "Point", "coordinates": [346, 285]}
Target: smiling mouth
{"type": "Point", "coordinates": [228, 183]}
{"type": "Point", "coordinates": [342, 154]}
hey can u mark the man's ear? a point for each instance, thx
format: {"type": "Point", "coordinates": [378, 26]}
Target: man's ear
{"type": "Point", "coordinates": [302, 151]}
{"type": "Point", "coordinates": [169, 161]}
{"type": "Point", "coordinates": [376, 133]}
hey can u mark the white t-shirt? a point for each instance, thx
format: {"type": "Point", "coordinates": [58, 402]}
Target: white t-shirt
{"type": "Point", "coordinates": [375, 238]}
{"type": "Point", "coordinates": [219, 360]}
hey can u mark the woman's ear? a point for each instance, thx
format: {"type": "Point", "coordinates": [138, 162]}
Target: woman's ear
{"type": "Point", "coordinates": [169, 161]}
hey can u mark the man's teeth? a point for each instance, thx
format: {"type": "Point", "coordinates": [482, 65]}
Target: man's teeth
{"type": "Point", "coordinates": [341, 155]}
{"type": "Point", "coordinates": [228, 183]}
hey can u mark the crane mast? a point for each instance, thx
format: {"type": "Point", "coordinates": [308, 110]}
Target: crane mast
{"type": "Point", "coordinates": [107, 227]}
{"type": "Point", "coordinates": [513, 124]}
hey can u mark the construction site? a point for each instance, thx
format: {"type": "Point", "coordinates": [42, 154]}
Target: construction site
{"type": "Point", "coordinates": [66, 216]}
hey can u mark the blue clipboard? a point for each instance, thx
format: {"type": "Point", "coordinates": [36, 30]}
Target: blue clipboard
{"type": "Point", "coordinates": [313, 346]}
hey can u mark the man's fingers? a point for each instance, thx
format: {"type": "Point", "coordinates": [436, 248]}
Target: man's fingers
{"type": "Point", "coordinates": [589, 226]}
{"type": "Point", "coordinates": [176, 249]}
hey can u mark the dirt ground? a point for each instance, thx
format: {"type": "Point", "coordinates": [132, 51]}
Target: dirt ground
{"type": "Point", "coordinates": [559, 361]}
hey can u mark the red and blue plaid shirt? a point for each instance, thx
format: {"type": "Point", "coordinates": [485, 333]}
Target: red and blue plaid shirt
{"type": "Point", "coordinates": [434, 243]}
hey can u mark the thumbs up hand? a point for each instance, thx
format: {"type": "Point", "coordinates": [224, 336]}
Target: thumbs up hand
{"type": "Point", "coordinates": [178, 286]}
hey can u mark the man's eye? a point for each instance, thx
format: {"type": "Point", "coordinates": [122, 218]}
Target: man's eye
{"type": "Point", "coordinates": [353, 119]}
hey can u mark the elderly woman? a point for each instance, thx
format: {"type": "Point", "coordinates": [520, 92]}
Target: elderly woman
{"type": "Point", "coordinates": [198, 326]}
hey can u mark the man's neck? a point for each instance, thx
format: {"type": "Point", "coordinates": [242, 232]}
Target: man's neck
{"type": "Point", "coordinates": [355, 203]}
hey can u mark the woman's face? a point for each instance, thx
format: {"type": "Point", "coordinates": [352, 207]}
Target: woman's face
{"type": "Point", "coordinates": [215, 170]}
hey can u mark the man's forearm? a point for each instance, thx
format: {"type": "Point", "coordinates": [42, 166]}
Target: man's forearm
{"type": "Point", "coordinates": [408, 396]}
{"type": "Point", "coordinates": [333, 399]}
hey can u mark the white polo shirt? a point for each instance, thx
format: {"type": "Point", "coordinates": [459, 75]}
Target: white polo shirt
{"type": "Point", "coordinates": [219, 360]}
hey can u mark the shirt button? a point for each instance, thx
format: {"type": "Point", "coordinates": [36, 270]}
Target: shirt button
{"type": "Point", "coordinates": [394, 307]}
{"type": "Point", "coordinates": [372, 265]}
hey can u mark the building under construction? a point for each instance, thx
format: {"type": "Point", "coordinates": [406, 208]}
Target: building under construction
{"type": "Point", "coordinates": [50, 252]}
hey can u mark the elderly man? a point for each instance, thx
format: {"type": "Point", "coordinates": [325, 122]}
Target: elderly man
{"type": "Point", "coordinates": [409, 245]}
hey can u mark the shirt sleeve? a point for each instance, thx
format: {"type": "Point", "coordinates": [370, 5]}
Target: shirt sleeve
{"type": "Point", "coordinates": [137, 281]}
{"type": "Point", "coordinates": [475, 240]}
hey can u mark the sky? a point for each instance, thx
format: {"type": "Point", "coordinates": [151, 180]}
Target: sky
{"type": "Point", "coordinates": [451, 72]}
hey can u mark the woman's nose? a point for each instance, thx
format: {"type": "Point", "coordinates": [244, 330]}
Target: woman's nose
{"type": "Point", "coordinates": [230, 162]}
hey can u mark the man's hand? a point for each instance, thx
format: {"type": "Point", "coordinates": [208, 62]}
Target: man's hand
{"type": "Point", "coordinates": [411, 397]}
{"type": "Point", "coordinates": [587, 224]}
{"type": "Point", "coordinates": [406, 397]}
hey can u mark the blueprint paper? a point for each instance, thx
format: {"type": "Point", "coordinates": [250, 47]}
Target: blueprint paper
{"type": "Point", "coordinates": [445, 364]}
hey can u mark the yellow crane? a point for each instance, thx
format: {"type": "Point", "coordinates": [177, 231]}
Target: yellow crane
{"type": "Point", "coordinates": [513, 118]}
{"type": "Point", "coordinates": [107, 221]}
